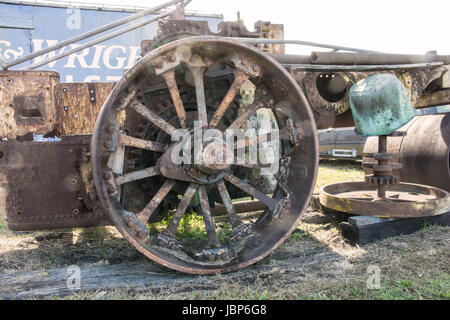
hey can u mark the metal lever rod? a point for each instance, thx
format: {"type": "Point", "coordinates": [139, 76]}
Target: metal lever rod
{"type": "Point", "coordinates": [302, 43]}
{"type": "Point", "coordinates": [88, 34]}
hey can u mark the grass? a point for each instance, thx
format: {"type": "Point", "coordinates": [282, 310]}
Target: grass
{"type": "Point", "coordinates": [333, 171]}
{"type": "Point", "coordinates": [412, 266]}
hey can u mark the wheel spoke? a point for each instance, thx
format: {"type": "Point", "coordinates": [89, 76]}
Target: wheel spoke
{"type": "Point", "coordinates": [239, 79]}
{"type": "Point", "coordinates": [213, 241]}
{"type": "Point", "coordinates": [269, 202]}
{"type": "Point", "coordinates": [226, 199]}
{"type": "Point", "coordinates": [137, 175]}
{"type": "Point", "coordinates": [145, 214]}
{"type": "Point", "coordinates": [182, 206]}
{"type": "Point", "coordinates": [169, 77]}
{"type": "Point", "coordinates": [197, 73]}
{"type": "Point", "coordinates": [141, 143]}
{"type": "Point", "coordinates": [153, 117]}
{"type": "Point", "coordinates": [249, 111]}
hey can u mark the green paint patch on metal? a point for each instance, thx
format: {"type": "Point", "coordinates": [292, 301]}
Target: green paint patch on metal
{"type": "Point", "coordinates": [380, 105]}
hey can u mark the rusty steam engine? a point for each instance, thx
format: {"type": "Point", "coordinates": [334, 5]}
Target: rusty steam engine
{"type": "Point", "coordinates": [106, 159]}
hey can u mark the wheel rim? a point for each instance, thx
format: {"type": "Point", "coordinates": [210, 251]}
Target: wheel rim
{"type": "Point", "coordinates": [133, 124]}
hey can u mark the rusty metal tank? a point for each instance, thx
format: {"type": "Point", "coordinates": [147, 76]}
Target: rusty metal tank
{"type": "Point", "coordinates": [424, 151]}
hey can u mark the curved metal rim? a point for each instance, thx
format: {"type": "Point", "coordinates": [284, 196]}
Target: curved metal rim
{"type": "Point", "coordinates": [97, 170]}
{"type": "Point", "coordinates": [385, 209]}
{"type": "Point", "coordinates": [318, 102]}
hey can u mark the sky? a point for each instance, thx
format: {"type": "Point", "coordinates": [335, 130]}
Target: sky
{"type": "Point", "coordinates": [394, 26]}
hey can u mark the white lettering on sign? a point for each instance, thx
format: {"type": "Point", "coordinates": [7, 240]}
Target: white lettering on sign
{"type": "Point", "coordinates": [74, 20]}
{"type": "Point", "coordinates": [80, 56]}
{"type": "Point", "coordinates": [9, 54]}
{"type": "Point", "coordinates": [37, 45]}
{"type": "Point", "coordinates": [112, 57]}
{"type": "Point", "coordinates": [119, 61]}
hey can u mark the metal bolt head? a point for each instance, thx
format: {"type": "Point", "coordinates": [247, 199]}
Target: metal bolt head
{"type": "Point", "coordinates": [111, 190]}
{"type": "Point", "coordinates": [110, 129]}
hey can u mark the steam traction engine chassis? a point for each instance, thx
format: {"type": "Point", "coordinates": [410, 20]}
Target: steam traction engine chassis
{"type": "Point", "coordinates": [120, 170]}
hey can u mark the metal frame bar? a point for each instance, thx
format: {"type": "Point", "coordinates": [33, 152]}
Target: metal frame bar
{"type": "Point", "coordinates": [360, 67]}
{"type": "Point", "coordinates": [302, 43]}
{"type": "Point", "coordinates": [94, 32]}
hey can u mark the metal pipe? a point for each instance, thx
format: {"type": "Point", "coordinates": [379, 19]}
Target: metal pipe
{"type": "Point", "coordinates": [96, 41]}
{"type": "Point", "coordinates": [302, 43]}
{"type": "Point", "coordinates": [291, 58]}
{"type": "Point", "coordinates": [346, 68]}
{"type": "Point", "coordinates": [382, 149]}
{"type": "Point", "coordinates": [350, 58]}
{"type": "Point", "coordinates": [89, 34]}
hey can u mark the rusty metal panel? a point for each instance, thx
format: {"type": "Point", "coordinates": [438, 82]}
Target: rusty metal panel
{"type": "Point", "coordinates": [48, 185]}
{"type": "Point", "coordinates": [27, 102]}
{"type": "Point", "coordinates": [80, 104]}
{"type": "Point", "coordinates": [269, 30]}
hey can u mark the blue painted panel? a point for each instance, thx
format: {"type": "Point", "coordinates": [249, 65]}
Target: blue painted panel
{"type": "Point", "coordinates": [103, 62]}
{"type": "Point", "coordinates": [15, 16]}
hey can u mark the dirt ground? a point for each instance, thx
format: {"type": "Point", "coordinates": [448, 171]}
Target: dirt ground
{"type": "Point", "coordinates": [316, 262]}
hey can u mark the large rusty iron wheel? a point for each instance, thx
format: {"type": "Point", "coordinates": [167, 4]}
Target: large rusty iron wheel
{"type": "Point", "coordinates": [139, 184]}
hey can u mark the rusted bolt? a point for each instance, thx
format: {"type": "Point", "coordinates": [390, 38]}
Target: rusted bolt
{"type": "Point", "coordinates": [107, 175]}
{"type": "Point", "coordinates": [256, 68]}
{"type": "Point", "coordinates": [244, 62]}
{"type": "Point", "coordinates": [111, 190]}
{"type": "Point", "coordinates": [141, 234]}
{"type": "Point", "coordinates": [159, 65]}
{"type": "Point", "coordinates": [172, 58]}
{"type": "Point", "coordinates": [110, 129]}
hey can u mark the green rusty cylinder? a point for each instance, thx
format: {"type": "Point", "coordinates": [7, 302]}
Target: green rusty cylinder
{"type": "Point", "coordinates": [380, 105]}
